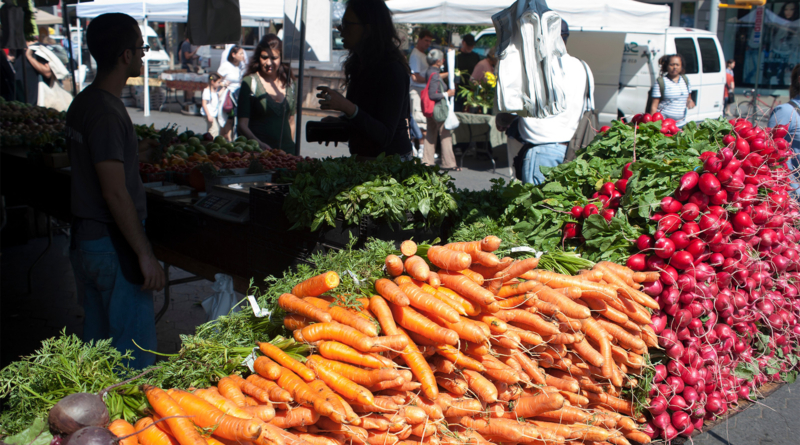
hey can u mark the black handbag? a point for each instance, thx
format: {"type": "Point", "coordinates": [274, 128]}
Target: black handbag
{"type": "Point", "coordinates": [327, 132]}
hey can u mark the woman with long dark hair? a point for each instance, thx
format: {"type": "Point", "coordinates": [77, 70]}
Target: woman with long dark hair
{"type": "Point", "coordinates": [376, 107]}
{"type": "Point", "coordinates": [267, 98]}
{"type": "Point", "coordinates": [672, 94]}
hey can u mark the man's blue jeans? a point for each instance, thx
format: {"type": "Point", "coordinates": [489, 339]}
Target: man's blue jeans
{"type": "Point", "coordinates": [114, 308]}
{"type": "Point", "coordinates": [545, 155]}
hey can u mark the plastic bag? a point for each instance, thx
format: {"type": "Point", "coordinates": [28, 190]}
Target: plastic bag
{"type": "Point", "coordinates": [224, 301]}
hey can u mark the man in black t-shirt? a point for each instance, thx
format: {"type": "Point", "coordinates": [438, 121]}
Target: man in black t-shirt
{"type": "Point", "coordinates": [466, 60]}
{"type": "Point", "coordinates": [114, 265]}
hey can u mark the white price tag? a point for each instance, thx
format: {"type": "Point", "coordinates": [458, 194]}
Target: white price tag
{"type": "Point", "coordinates": [257, 311]}
{"type": "Point", "coordinates": [527, 249]}
{"type": "Point", "coordinates": [250, 359]}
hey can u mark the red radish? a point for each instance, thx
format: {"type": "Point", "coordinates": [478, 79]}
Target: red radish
{"type": "Point", "coordinates": [577, 212]}
{"type": "Point", "coordinates": [655, 263]}
{"type": "Point", "coordinates": [621, 185]}
{"type": "Point", "coordinates": [659, 234]}
{"type": "Point", "coordinates": [689, 180]}
{"type": "Point", "coordinates": [728, 139]}
{"type": "Point", "coordinates": [691, 228]}
{"type": "Point", "coordinates": [670, 222]}
{"type": "Point", "coordinates": [682, 260]}
{"type": "Point", "coordinates": [644, 242]}
{"type": "Point", "coordinates": [590, 209]}
{"type": "Point", "coordinates": [669, 276]}
{"type": "Point", "coordinates": [780, 131]}
{"type": "Point", "coordinates": [604, 128]}
{"type": "Point", "coordinates": [670, 205]}
{"type": "Point", "coordinates": [658, 117]}
{"type": "Point", "coordinates": [700, 199]}
{"type": "Point", "coordinates": [742, 148]}
{"type": "Point", "coordinates": [682, 195]}
{"type": "Point", "coordinates": [603, 200]}
{"type": "Point", "coordinates": [665, 248]}
{"type": "Point", "coordinates": [653, 288]}
{"type": "Point", "coordinates": [570, 231]}
{"type": "Point", "coordinates": [712, 165]}
{"type": "Point", "coordinates": [658, 405]}
{"type": "Point", "coordinates": [626, 174]}
{"type": "Point", "coordinates": [608, 214]}
{"type": "Point", "coordinates": [607, 188]}
{"type": "Point", "coordinates": [680, 239]}
{"type": "Point", "coordinates": [615, 198]}
{"type": "Point", "coordinates": [689, 211]}
{"type": "Point", "coordinates": [742, 221]}
{"type": "Point", "coordinates": [637, 262]}
{"type": "Point", "coordinates": [709, 184]}
{"type": "Point", "coordinates": [647, 117]}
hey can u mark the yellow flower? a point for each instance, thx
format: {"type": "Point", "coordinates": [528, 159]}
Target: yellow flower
{"type": "Point", "coordinates": [491, 79]}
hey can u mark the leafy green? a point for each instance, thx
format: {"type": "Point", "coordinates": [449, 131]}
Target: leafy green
{"type": "Point", "coordinates": [37, 434]}
{"type": "Point", "coordinates": [386, 189]}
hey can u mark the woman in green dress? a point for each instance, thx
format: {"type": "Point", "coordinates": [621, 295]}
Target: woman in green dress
{"type": "Point", "coordinates": [267, 98]}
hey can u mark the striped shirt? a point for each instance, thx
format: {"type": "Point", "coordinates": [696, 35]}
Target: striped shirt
{"type": "Point", "coordinates": [673, 104]}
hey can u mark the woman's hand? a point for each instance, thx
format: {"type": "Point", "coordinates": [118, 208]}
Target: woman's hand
{"type": "Point", "coordinates": [451, 93]}
{"type": "Point", "coordinates": [333, 100]}
{"type": "Point", "coordinates": [264, 146]}
{"type": "Point", "coordinates": [210, 118]}
{"type": "Point", "coordinates": [689, 103]}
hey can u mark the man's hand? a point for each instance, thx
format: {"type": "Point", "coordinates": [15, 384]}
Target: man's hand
{"type": "Point", "coordinates": [154, 278]}
{"type": "Point", "coordinates": [451, 93]}
{"type": "Point", "coordinates": [146, 148]}
{"type": "Point", "coordinates": [503, 120]}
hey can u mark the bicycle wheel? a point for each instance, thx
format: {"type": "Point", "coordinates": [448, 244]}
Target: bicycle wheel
{"type": "Point", "coordinates": [746, 110]}
{"type": "Point", "coordinates": [731, 111]}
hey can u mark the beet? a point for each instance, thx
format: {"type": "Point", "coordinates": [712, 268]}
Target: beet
{"type": "Point", "coordinates": [92, 435]}
{"type": "Point", "coordinates": [77, 411]}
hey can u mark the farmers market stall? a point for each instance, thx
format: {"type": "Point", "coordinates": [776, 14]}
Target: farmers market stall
{"type": "Point", "coordinates": [648, 289]}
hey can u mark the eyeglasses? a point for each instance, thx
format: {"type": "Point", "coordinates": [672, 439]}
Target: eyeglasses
{"type": "Point", "coordinates": [144, 49]}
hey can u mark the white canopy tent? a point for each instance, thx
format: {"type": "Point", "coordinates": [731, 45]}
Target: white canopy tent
{"type": "Point", "coordinates": [175, 10]}
{"type": "Point", "coordinates": [581, 15]}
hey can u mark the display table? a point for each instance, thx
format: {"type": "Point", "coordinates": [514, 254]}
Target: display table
{"type": "Point", "coordinates": [475, 128]}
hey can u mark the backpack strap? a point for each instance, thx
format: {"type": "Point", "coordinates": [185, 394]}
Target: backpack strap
{"type": "Point", "coordinates": [661, 86]}
{"type": "Point", "coordinates": [686, 79]}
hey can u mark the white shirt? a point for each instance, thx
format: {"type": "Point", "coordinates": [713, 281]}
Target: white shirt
{"type": "Point", "coordinates": [676, 94]}
{"type": "Point", "coordinates": [418, 62]}
{"type": "Point", "coordinates": [213, 104]}
{"type": "Point", "coordinates": [231, 74]}
{"type": "Point", "coordinates": [560, 127]}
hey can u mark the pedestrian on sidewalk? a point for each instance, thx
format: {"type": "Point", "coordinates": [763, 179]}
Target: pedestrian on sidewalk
{"type": "Point", "coordinates": [437, 92]}
{"type": "Point", "coordinates": [231, 71]}
{"type": "Point", "coordinates": [212, 98]}
{"type": "Point", "coordinates": [114, 265]}
{"type": "Point", "coordinates": [267, 99]}
{"type": "Point", "coordinates": [789, 114]}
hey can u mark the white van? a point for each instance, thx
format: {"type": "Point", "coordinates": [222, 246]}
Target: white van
{"type": "Point", "coordinates": [625, 75]}
{"type": "Point", "coordinates": [157, 58]}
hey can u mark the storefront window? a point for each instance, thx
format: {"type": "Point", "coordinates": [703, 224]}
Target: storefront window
{"type": "Point", "coordinates": [780, 46]}
{"type": "Point", "coordinates": [687, 14]}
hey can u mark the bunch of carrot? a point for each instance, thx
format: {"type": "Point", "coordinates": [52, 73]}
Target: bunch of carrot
{"type": "Point", "coordinates": [458, 347]}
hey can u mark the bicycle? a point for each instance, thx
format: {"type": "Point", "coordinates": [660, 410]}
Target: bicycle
{"type": "Point", "coordinates": [755, 107]}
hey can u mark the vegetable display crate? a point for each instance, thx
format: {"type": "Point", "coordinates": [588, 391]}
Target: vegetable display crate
{"type": "Point", "coordinates": [266, 207]}
{"type": "Point", "coordinates": [266, 257]}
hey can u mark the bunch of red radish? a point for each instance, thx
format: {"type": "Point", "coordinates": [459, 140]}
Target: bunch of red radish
{"type": "Point", "coordinates": [726, 247]}
{"type": "Point", "coordinates": [607, 202]}
{"type": "Point", "coordinates": [668, 126]}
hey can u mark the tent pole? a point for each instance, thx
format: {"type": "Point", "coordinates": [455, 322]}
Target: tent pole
{"type": "Point", "coordinates": [65, 17]}
{"type": "Point", "coordinates": [298, 119]}
{"type": "Point", "coordinates": [758, 67]}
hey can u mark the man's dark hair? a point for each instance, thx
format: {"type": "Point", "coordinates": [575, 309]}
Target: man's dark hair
{"type": "Point", "coordinates": [425, 32]}
{"type": "Point", "coordinates": [469, 39]}
{"type": "Point", "coordinates": [380, 44]}
{"type": "Point", "coordinates": [108, 36]}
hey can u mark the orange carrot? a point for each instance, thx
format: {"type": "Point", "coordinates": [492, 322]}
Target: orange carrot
{"type": "Point", "coordinates": [390, 291]}
{"type": "Point", "coordinates": [452, 407]}
{"type": "Point", "coordinates": [530, 321]}
{"type": "Point", "coordinates": [625, 338]}
{"type": "Point", "coordinates": [447, 259]}
{"type": "Point", "coordinates": [230, 390]}
{"type": "Point", "coordinates": [441, 296]}
{"type": "Point", "coordinates": [342, 385]}
{"type": "Point", "coordinates": [285, 360]}
{"type": "Point", "coordinates": [267, 368]}
{"type": "Point", "coordinates": [300, 416]}
{"type": "Point", "coordinates": [434, 280]}
{"type": "Point", "coordinates": [448, 295]}
{"type": "Point", "coordinates": [328, 394]}
{"type": "Point", "coordinates": [303, 394]}
{"type": "Point", "coordinates": [558, 281]}
{"type": "Point", "coordinates": [290, 303]}
{"type": "Point", "coordinates": [165, 406]}
{"type": "Point", "coordinates": [468, 289]}
{"type": "Point", "coordinates": [316, 286]}
{"type": "Point", "coordinates": [516, 269]}
{"type": "Point", "coordinates": [499, 371]}
{"type": "Point", "coordinates": [408, 248]}
{"type": "Point", "coordinates": [256, 392]}
{"type": "Point", "coordinates": [483, 388]}
{"type": "Point", "coordinates": [535, 405]}
{"type": "Point", "coordinates": [466, 329]}
{"type": "Point", "coordinates": [206, 415]}
{"type": "Point", "coordinates": [564, 304]}
{"type": "Point", "coordinates": [615, 404]}
{"type": "Point", "coordinates": [624, 289]}
{"type": "Point", "coordinates": [213, 397]}
{"type": "Point", "coordinates": [490, 243]}
{"type": "Point", "coordinates": [333, 350]}
{"type": "Point", "coordinates": [412, 320]}
{"type": "Point", "coordinates": [428, 303]}
{"type": "Point", "coordinates": [453, 383]}
{"type": "Point", "coordinates": [317, 439]}
{"type": "Point", "coordinates": [646, 277]}
{"type": "Point", "coordinates": [152, 436]}
{"type": "Point", "coordinates": [358, 375]}
{"type": "Point", "coordinates": [345, 316]}
{"type": "Point", "coordinates": [122, 428]}
{"type": "Point", "coordinates": [417, 268]}
{"type": "Point", "coordinates": [525, 336]}
{"type": "Point", "coordinates": [394, 265]}
{"type": "Point", "coordinates": [294, 321]}
{"type": "Point", "coordinates": [588, 353]}
{"type": "Point", "coordinates": [276, 393]}
{"type": "Point", "coordinates": [351, 337]}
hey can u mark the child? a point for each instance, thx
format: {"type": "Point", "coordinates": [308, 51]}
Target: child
{"type": "Point", "coordinates": [212, 104]}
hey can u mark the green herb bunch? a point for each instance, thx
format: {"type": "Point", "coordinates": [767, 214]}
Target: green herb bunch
{"type": "Point", "coordinates": [386, 189]}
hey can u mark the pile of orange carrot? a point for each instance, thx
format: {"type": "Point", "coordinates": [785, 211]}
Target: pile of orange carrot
{"type": "Point", "coordinates": [458, 347]}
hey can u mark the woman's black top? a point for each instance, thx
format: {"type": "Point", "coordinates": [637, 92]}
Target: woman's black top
{"type": "Point", "coordinates": [381, 125]}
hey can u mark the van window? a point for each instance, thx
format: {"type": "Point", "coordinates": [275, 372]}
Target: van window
{"type": "Point", "coordinates": [709, 55]}
{"type": "Point", "coordinates": [685, 47]}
